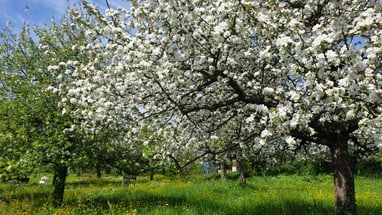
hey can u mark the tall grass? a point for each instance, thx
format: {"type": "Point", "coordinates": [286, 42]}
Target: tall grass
{"type": "Point", "coordinates": [262, 195]}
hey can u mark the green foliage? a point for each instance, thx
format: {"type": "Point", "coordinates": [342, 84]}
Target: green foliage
{"type": "Point", "coordinates": [33, 128]}
{"type": "Point", "coordinates": [370, 167]}
{"type": "Point", "coordinates": [19, 120]}
{"type": "Point", "coordinates": [232, 175]}
{"type": "Point", "coordinates": [301, 167]}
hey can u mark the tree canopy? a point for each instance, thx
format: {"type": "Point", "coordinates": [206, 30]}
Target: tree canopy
{"type": "Point", "coordinates": [264, 72]}
{"type": "Point", "coordinates": [226, 74]}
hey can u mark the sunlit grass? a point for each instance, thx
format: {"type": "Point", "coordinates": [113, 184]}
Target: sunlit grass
{"type": "Point", "coordinates": [261, 195]}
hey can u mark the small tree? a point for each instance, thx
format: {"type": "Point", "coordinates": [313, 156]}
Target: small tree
{"type": "Point", "coordinates": [35, 129]}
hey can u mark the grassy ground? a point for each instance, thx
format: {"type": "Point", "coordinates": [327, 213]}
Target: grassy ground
{"type": "Point", "coordinates": [262, 195]}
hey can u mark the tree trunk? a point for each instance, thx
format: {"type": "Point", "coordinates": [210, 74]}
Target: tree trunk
{"type": "Point", "coordinates": [60, 173]}
{"type": "Point", "coordinates": [78, 173]}
{"type": "Point", "coordinates": [224, 171]}
{"type": "Point", "coordinates": [151, 174]}
{"type": "Point", "coordinates": [345, 202]}
{"type": "Point", "coordinates": [98, 170]}
{"type": "Point", "coordinates": [243, 179]}
{"type": "Point", "coordinates": [242, 170]}
{"type": "Point", "coordinates": [124, 179]}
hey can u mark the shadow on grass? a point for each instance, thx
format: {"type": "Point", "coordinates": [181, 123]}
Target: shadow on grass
{"type": "Point", "coordinates": [30, 193]}
{"type": "Point", "coordinates": [93, 182]}
{"type": "Point", "coordinates": [179, 202]}
{"type": "Point", "coordinates": [148, 203]}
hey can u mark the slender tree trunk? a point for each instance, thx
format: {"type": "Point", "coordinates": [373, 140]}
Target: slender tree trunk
{"type": "Point", "coordinates": [60, 173]}
{"type": "Point", "coordinates": [151, 174]}
{"type": "Point", "coordinates": [242, 170]}
{"type": "Point", "coordinates": [243, 179]}
{"type": "Point", "coordinates": [78, 172]}
{"type": "Point", "coordinates": [223, 171]}
{"type": "Point", "coordinates": [124, 180]}
{"type": "Point", "coordinates": [151, 169]}
{"type": "Point", "coordinates": [98, 170]}
{"type": "Point", "coordinates": [345, 202]}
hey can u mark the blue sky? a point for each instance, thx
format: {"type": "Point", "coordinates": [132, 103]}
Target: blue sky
{"type": "Point", "coordinates": [41, 11]}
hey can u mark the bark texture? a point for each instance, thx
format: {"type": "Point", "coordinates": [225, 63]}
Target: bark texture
{"type": "Point", "coordinates": [345, 202]}
{"type": "Point", "coordinates": [60, 173]}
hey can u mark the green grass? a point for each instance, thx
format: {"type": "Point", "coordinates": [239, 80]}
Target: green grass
{"type": "Point", "coordinates": [262, 195]}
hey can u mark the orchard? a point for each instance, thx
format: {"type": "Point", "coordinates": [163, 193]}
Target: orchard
{"type": "Point", "coordinates": [228, 76]}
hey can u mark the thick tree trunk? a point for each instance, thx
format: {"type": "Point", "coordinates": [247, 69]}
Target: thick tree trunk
{"type": "Point", "coordinates": [60, 173]}
{"type": "Point", "coordinates": [345, 202]}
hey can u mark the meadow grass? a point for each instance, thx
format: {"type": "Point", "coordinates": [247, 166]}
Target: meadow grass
{"type": "Point", "coordinates": [261, 195]}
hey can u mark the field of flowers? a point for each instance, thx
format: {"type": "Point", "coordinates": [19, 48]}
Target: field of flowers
{"type": "Point", "coordinates": [261, 195]}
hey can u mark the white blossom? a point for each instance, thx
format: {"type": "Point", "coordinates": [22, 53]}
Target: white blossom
{"type": "Point", "coordinates": [319, 40]}
{"type": "Point", "coordinates": [284, 41]}
{"type": "Point", "coordinates": [265, 133]}
{"type": "Point", "coordinates": [268, 91]}
{"type": "Point", "coordinates": [290, 140]}
{"type": "Point", "coordinates": [214, 137]}
{"type": "Point", "coordinates": [207, 70]}
{"type": "Point", "coordinates": [249, 119]}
